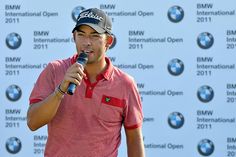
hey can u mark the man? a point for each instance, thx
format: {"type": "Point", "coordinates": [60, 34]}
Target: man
{"type": "Point", "coordinates": [87, 123]}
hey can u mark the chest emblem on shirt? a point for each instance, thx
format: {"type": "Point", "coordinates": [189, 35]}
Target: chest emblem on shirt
{"type": "Point", "coordinates": [107, 99]}
{"type": "Point", "coordinates": [113, 101]}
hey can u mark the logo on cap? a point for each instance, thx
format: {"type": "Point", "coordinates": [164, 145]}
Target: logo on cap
{"type": "Point", "coordinates": [89, 14]}
{"type": "Point", "coordinates": [95, 18]}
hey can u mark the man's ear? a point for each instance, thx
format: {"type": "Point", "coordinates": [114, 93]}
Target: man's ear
{"type": "Point", "coordinates": [110, 39]}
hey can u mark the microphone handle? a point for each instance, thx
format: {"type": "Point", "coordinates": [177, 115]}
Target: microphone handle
{"type": "Point", "coordinates": [71, 89]}
{"type": "Point", "coordinates": [82, 59]}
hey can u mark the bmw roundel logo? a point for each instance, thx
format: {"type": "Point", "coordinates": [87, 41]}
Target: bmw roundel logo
{"type": "Point", "coordinates": [205, 40]}
{"type": "Point", "coordinates": [13, 145]}
{"type": "Point", "coordinates": [205, 147]}
{"type": "Point", "coordinates": [76, 11]}
{"type": "Point", "coordinates": [176, 120]}
{"type": "Point", "coordinates": [113, 43]}
{"type": "Point", "coordinates": [13, 40]}
{"type": "Point", "coordinates": [175, 67]}
{"type": "Point", "coordinates": [175, 14]}
{"type": "Point", "coordinates": [13, 93]}
{"type": "Point", "coordinates": [205, 93]}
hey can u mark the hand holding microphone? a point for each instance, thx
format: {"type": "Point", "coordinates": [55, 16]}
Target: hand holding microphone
{"type": "Point", "coordinates": [82, 59]}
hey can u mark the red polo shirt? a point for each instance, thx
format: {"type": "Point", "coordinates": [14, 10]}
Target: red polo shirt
{"type": "Point", "coordinates": [88, 124]}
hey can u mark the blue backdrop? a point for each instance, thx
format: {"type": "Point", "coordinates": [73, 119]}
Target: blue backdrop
{"type": "Point", "coordinates": [181, 53]}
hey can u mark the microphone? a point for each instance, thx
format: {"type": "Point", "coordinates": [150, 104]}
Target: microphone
{"type": "Point", "coordinates": [82, 59]}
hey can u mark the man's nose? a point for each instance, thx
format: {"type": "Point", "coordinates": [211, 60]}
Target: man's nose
{"type": "Point", "coordinates": [87, 40]}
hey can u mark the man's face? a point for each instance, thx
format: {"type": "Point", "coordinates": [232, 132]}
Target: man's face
{"type": "Point", "coordinates": [88, 40]}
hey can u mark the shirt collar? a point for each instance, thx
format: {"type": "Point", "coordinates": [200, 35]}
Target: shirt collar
{"type": "Point", "coordinates": [105, 74]}
{"type": "Point", "coordinates": [73, 58]}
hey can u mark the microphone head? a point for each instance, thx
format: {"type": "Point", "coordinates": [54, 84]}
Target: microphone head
{"type": "Point", "coordinates": [83, 58]}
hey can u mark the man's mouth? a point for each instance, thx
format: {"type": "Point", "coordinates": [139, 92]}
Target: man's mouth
{"type": "Point", "coordinates": [87, 51]}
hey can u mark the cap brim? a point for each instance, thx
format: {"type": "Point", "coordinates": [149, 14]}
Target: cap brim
{"type": "Point", "coordinates": [95, 27]}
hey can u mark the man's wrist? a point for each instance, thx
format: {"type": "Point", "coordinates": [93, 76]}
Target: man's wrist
{"type": "Point", "coordinates": [60, 92]}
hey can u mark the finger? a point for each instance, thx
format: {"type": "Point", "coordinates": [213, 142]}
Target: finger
{"type": "Point", "coordinates": [75, 78]}
{"type": "Point", "coordinates": [78, 68]}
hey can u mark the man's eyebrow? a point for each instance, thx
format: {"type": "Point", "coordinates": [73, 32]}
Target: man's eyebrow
{"type": "Point", "coordinates": [94, 32]}
{"type": "Point", "coordinates": [80, 31]}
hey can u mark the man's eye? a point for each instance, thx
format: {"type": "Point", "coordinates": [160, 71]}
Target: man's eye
{"type": "Point", "coordinates": [80, 34]}
{"type": "Point", "coordinates": [95, 35]}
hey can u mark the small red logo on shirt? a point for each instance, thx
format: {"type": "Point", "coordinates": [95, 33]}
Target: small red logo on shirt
{"type": "Point", "coordinates": [113, 101]}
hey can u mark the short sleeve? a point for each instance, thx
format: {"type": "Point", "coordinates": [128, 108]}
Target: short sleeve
{"type": "Point", "coordinates": [133, 113]}
{"type": "Point", "coordinates": [44, 85]}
